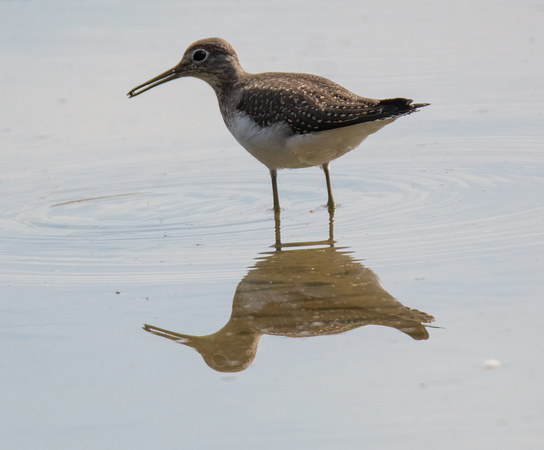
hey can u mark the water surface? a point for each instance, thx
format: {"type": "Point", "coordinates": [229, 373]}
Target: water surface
{"type": "Point", "coordinates": [117, 213]}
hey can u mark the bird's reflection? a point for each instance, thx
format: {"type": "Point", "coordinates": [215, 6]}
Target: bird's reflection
{"type": "Point", "coordinates": [300, 290]}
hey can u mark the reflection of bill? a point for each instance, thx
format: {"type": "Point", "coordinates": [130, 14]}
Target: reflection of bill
{"type": "Point", "coordinates": [300, 292]}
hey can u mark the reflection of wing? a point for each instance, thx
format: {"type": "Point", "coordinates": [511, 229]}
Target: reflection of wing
{"type": "Point", "coordinates": [319, 291]}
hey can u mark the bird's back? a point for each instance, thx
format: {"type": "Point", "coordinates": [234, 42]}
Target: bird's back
{"type": "Point", "coordinates": [309, 103]}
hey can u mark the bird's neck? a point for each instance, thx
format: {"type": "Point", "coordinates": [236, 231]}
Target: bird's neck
{"type": "Point", "coordinates": [224, 78]}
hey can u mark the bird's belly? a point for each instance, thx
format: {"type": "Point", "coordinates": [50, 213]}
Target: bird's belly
{"type": "Point", "coordinates": [277, 148]}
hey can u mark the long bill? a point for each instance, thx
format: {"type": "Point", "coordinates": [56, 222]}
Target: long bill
{"type": "Point", "coordinates": [169, 75]}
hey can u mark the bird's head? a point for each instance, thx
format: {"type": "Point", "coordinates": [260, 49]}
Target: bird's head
{"type": "Point", "coordinates": [212, 60]}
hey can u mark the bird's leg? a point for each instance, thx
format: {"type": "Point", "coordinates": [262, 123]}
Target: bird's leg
{"type": "Point", "coordinates": [330, 201]}
{"type": "Point", "coordinates": [274, 176]}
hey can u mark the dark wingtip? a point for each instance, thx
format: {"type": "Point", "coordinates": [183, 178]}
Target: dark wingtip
{"type": "Point", "coordinates": [400, 106]}
{"type": "Point", "coordinates": [400, 102]}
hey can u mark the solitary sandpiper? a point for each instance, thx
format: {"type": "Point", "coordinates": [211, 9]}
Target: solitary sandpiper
{"type": "Point", "coordinates": [285, 120]}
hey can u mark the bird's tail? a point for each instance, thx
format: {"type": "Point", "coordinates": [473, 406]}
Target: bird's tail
{"type": "Point", "coordinates": [400, 106]}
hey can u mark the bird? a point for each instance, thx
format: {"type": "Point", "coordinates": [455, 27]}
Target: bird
{"type": "Point", "coordinates": [285, 120]}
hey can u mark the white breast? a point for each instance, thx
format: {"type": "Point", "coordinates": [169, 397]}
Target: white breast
{"type": "Point", "coordinates": [277, 148]}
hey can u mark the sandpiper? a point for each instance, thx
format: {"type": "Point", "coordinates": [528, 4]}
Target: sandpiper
{"type": "Point", "coordinates": [285, 120]}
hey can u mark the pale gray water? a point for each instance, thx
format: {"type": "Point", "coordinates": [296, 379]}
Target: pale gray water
{"type": "Point", "coordinates": [117, 212]}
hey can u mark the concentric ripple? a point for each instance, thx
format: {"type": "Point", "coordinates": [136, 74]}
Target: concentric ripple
{"type": "Point", "coordinates": [154, 220]}
{"type": "Point", "coordinates": [116, 221]}
{"type": "Point", "coordinates": [457, 203]}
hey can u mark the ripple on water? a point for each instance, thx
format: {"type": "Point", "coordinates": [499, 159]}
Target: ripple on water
{"type": "Point", "coordinates": [103, 224]}
{"type": "Point", "coordinates": [117, 227]}
{"type": "Point", "coordinates": [450, 204]}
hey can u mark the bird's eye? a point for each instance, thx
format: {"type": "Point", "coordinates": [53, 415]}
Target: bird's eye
{"type": "Point", "coordinates": [200, 55]}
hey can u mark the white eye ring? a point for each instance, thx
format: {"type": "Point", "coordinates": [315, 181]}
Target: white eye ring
{"type": "Point", "coordinates": [200, 55]}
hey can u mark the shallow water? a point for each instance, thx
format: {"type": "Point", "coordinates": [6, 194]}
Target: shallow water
{"type": "Point", "coordinates": [118, 213]}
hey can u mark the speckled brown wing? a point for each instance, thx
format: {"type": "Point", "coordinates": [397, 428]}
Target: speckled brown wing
{"type": "Point", "coordinates": [308, 103]}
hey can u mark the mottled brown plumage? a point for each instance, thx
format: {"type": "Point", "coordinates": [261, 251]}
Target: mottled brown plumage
{"type": "Point", "coordinates": [310, 103]}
